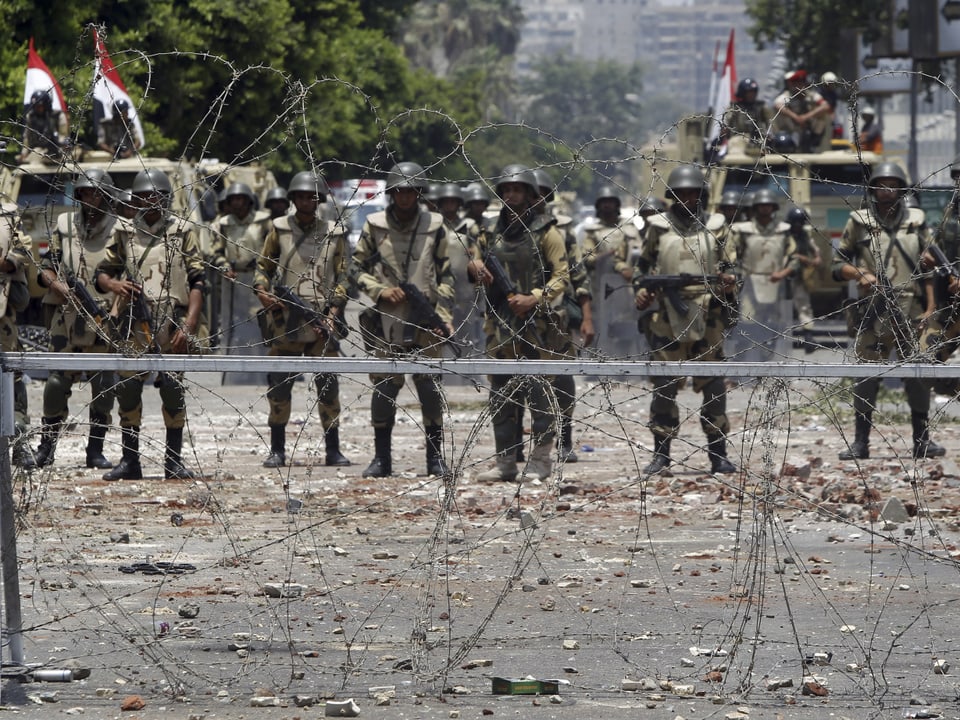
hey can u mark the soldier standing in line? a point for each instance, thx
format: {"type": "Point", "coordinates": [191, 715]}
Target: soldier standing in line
{"type": "Point", "coordinates": [476, 200]}
{"type": "Point", "coordinates": [748, 119]}
{"type": "Point", "coordinates": [687, 240]}
{"type": "Point", "coordinates": [277, 202]}
{"type": "Point", "coordinates": [15, 254]}
{"type": "Point", "coordinates": [807, 254]}
{"type": "Point", "coordinates": [402, 264]}
{"type": "Point", "coordinates": [77, 247]}
{"type": "Point", "coordinates": [45, 130]}
{"type": "Point", "coordinates": [765, 250]}
{"type": "Point", "coordinates": [154, 267]}
{"type": "Point", "coordinates": [524, 320]}
{"type": "Point", "coordinates": [309, 256]}
{"type": "Point", "coordinates": [881, 250]}
{"type": "Point", "coordinates": [578, 307]}
{"type": "Point", "coordinates": [461, 237]}
{"type": "Point", "coordinates": [237, 239]}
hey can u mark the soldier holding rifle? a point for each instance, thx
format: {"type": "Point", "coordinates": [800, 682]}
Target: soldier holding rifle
{"type": "Point", "coordinates": [301, 281]}
{"type": "Point", "coordinates": [688, 246]}
{"type": "Point", "coordinates": [154, 267]}
{"type": "Point", "coordinates": [881, 251]}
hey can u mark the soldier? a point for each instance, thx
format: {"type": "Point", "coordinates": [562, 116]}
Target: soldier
{"type": "Point", "coordinates": [731, 207]}
{"type": "Point", "coordinates": [153, 266]}
{"type": "Point", "coordinates": [277, 202]}
{"type": "Point", "coordinates": [686, 240]}
{"type": "Point", "coordinates": [609, 237]}
{"type": "Point", "coordinates": [476, 200]}
{"type": "Point", "coordinates": [237, 239]}
{"type": "Point", "coordinates": [115, 135]}
{"type": "Point", "coordinates": [523, 320]}
{"type": "Point", "coordinates": [946, 287]}
{"type": "Point", "coordinates": [803, 113]}
{"type": "Point", "coordinates": [44, 129]}
{"type": "Point", "coordinates": [578, 307]}
{"type": "Point", "coordinates": [765, 250]}
{"type": "Point", "coordinates": [807, 253]}
{"type": "Point", "coordinates": [15, 253]}
{"type": "Point", "coordinates": [461, 237]}
{"type": "Point", "coordinates": [308, 255]}
{"type": "Point", "coordinates": [402, 264]}
{"type": "Point", "coordinates": [748, 119]}
{"type": "Point", "coordinates": [881, 250]}
{"type": "Point", "coordinates": [125, 207]}
{"type": "Point", "coordinates": [77, 247]}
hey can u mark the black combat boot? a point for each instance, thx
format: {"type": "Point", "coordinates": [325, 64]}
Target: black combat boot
{"type": "Point", "coordinates": [129, 466]}
{"type": "Point", "coordinates": [173, 468]}
{"type": "Point", "coordinates": [661, 455]}
{"type": "Point", "coordinates": [98, 431]}
{"type": "Point", "coordinates": [435, 464]}
{"type": "Point", "coordinates": [48, 442]}
{"type": "Point", "coordinates": [23, 456]}
{"type": "Point", "coordinates": [717, 450]}
{"type": "Point", "coordinates": [382, 464]}
{"type": "Point", "coordinates": [565, 441]}
{"type": "Point", "coordinates": [334, 458]}
{"type": "Point", "coordinates": [923, 446]}
{"type": "Point", "coordinates": [860, 449]}
{"type": "Point", "coordinates": [278, 447]}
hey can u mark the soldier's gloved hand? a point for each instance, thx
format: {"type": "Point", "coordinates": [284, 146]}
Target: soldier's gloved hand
{"type": "Point", "coordinates": [392, 295]}
{"type": "Point", "coordinates": [728, 282]}
{"type": "Point", "coordinates": [644, 299]}
{"type": "Point", "coordinates": [266, 299]}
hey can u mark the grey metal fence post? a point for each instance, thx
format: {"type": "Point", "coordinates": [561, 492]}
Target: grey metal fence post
{"type": "Point", "coordinates": [8, 528]}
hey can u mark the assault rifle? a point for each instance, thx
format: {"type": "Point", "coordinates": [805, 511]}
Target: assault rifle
{"type": "Point", "coordinates": [943, 268]}
{"type": "Point", "coordinates": [315, 319]}
{"type": "Point", "coordinates": [502, 283]}
{"type": "Point", "coordinates": [670, 286]}
{"type": "Point", "coordinates": [422, 308]}
{"type": "Point", "coordinates": [86, 301]}
{"type": "Point", "coordinates": [140, 313]}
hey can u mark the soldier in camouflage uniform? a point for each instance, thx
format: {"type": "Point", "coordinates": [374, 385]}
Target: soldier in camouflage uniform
{"type": "Point", "coordinates": [526, 323]}
{"type": "Point", "coordinates": [115, 135]}
{"type": "Point", "coordinates": [405, 244]}
{"type": "Point", "coordinates": [686, 240]}
{"type": "Point", "coordinates": [945, 341]}
{"type": "Point", "coordinates": [237, 239]}
{"type": "Point", "coordinates": [807, 254]}
{"type": "Point", "coordinates": [578, 306]}
{"type": "Point", "coordinates": [15, 254]}
{"type": "Point", "coordinates": [476, 200]}
{"type": "Point", "coordinates": [45, 130]}
{"type": "Point", "coordinates": [461, 237]}
{"type": "Point", "coordinates": [881, 250]}
{"type": "Point", "coordinates": [77, 246]}
{"type": "Point", "coordinates": [277, 202]}
{"type": "Point", "coordinates": [606, 235]}
{"type": "Point", "coordinates": [155, 258]}
{"type": "Point", "coordinates": [748, 119]}
{"type": "Point", "coordinates": [309, 255]}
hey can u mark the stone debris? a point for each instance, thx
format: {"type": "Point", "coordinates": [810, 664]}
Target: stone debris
{"type": "Point", "coordinates": [341, 708]}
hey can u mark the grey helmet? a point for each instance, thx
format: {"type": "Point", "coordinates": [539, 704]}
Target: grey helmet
{"type": "Point", "coordinates": [889, 170]}
{"type": "Point", "coordinates": [239, 188]}
{"type": "Point", "coordinates": [152, 180]}
{"type": "Point", "coordinates": [730, 198]}
{"type": "Point", "coordinates": [95, 178]}
{"type": "Point", "coordinates": [796, 217]}
{"type": "Point", "coordinates": [517, 173]}
{"type": "Point", "coordinates": [309, 182]}
{"type": "Point", "coordinates": [277, 193]}
{"type": "Point", "coordinates": [545, 184]}
{"type": "Point", "coordinates": [651, 205]}
{"type": "Point", "coordinates": [607, 192]}
{"type": "Point", "coordinates": [476, 192]}
{"type": "Point", "coordinates": [764, 196]}
{"type": "Point", "coordinates": [686, 177]}
{"type": "Point", "coordinates": [407, 175]}
{"type": "Point", "coordinates": [449, 190]}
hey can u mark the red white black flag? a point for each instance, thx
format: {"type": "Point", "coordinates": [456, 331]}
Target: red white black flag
{"type": "Point", "coordinates": [108, 90]}
{"type": "Point", "coordinates": [40, 79]}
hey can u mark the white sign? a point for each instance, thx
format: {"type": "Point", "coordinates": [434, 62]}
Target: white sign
{"type": "Point", "coordinates": [888, 75]}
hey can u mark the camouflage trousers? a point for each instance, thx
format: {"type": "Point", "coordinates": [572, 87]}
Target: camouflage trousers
{"type": "Point", "coordinates": [664, 412]}
{"type": "Point", "coordinates": [386, 388]}
{"type": "Point", "coordinates": [281, 384]}
{"type": "Point", "coordinates": [129, 392]}
{"type": "Point", "coordinates": [59, 386]}
{"type": "Point", "coordinates": [9, 342]}
{"type": "Point", "coordinates": [940, 340]}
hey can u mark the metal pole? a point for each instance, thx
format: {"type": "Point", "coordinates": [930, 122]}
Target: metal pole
{"type": "Point", "coordinates": [912, 161]}
{"type": "Point", "coordinates": [8, 527]}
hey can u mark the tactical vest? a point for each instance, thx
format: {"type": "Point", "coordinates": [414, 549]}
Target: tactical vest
{"type": "Point", "coordinates": [622, 239]}
{"type": "Point", "coordinates": [763, 250]}
{"type": "Point", "coordinates": [458, 248]}
{"type": "Point", "coordinates": [81, 250]}
{"type": "Point", "coordinates": [7, 236]}
{"type": "Point", "coordinates": [308, 260]}
{"type": "Point", "coordinates": [154, 258]}
{"type": "Point", "coordinates": [522, 257]}
{"type": "Point", "coordinates": [405, 256]}
{"type": "Point", "coordinates": [244, 238]}
{"type": "Point", "coordinates": [875, 244]}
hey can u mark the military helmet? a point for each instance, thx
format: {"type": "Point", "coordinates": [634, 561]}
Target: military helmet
{"type": "Point", "coordinates": [309, 182]}
{"type": "Point", "coordinates": [41, 96]}
{"type": "Point", "coordinates": [545, 184]}
{"type": "Point", "coordinates": [764, 196]}
{"type": "Point", "coordinates": [407, 175]}
{"type": "Point", "coordinates": [911, 200]}
{"type": "Point", "coordinates": [476, 192]}
{"type": "Point", "coordinates": [651, 204]}
{"type": "Point", "coordinates": [277, 193]}
{"type": "Point", "coordinates": [517, 173]}
{"type": "Point", "coordinates": [95, 178]}
{"type": "Point", "coordinates": [796, 216]}
{"type": "Point", "coordinates": [889, 170]}
{"type": "Point", "coordinates": [239, 188]}
{"type": "Point", "coordinates": [121, 107]}
{"type": "Point", "coordinates": [686, 177]}
{"type": "Point", "coordinates": [607, 192]}
{"type": "Point", "coordinates": [151, 180]}
{"type": "Point", "coordinates": [730, 198]}
{"type": "Point", "coordinates": [747, 85]}
{"type": "Point", "coordinates": [449, 190]}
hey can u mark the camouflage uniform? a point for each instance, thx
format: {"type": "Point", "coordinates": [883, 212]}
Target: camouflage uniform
{"type": "Point", "coordinates": [467, 308]}
{"type": "Point", "coordinates": [14, 297]}
{"type": "Point", "coordinates": [44, 132]}
{"type": "Point", "coordinates": [76, 249]}
{"type": "Point", "coordinates": [895, 250]}
{"type": "Point", "coordinates": [388, 253]}
{"type": "Point", "coordinates": [164, 260]}
{"type": "Point", "coordinates": [749, 121]}
{"type": "Point", "coordinates": [677, 244]}
{"type": "Point", "coordinates": [945, 339]}
{"type": "Point", "coordinates": [312, 261]}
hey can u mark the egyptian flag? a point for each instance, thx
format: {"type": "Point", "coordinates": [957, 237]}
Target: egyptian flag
{"type": "Point", "coordinates": [723, 90]}
{"type": "Point", "coordinates": [108, 88]}
{"type": "Point", "coordinates": [40, 78]}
